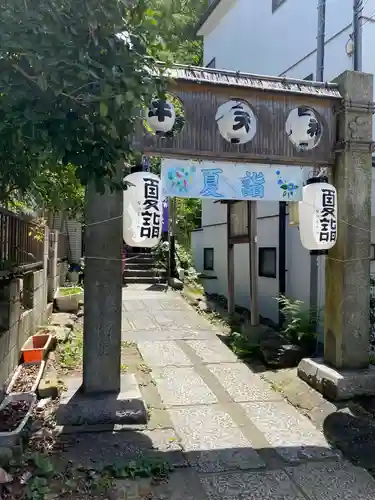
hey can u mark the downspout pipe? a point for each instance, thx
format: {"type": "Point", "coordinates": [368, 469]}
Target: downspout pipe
{"type": "Point", "coordinates": [282, 255]}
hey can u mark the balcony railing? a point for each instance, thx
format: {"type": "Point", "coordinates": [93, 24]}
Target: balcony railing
{"type": "Point", "coordinates": [21, 242]}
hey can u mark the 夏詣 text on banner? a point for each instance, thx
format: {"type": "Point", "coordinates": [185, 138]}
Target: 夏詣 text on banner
{"type": "Point", "coordinates": [232, 181]}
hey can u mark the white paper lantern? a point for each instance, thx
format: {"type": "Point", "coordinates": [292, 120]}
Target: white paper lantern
{"type": "Point", "coordinates": [304, 128]}
{"type": "Point", "coordinates": [142, 223]}
{"type": "Point", "coordinates": [236, 122]}
{"type": "Point", "coordinates": [318, 215]}
{"type": "Point", "coordinates": [161, 116]}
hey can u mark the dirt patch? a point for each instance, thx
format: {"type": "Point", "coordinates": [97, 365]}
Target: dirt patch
{"type": "Point", "coordinates": [26, 378]}
{"type": "Point", "coordinates": [12, 415]}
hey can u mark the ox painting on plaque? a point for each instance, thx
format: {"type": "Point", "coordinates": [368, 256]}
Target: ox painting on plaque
{"type": "Point", "coordinates": [318, 215]}
{"type": "Point", "coordinates": [142, 210]}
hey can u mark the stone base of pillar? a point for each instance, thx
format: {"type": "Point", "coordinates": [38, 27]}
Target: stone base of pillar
{"type": "Point", "coordinates": [89, 409]}
{"type": "Point", "coordinates": [337, 385]}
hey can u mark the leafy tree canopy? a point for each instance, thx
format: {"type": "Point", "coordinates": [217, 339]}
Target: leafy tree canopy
{"type": "Point", "coordinates": [73, 76]}
{"type": "Point", "coordinates": [174, 29]}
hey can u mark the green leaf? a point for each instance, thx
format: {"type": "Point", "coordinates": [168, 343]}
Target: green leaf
{"type": "Point", "coordinates": [103, 109]}
{"type": "Point", "coordinates": [119, 100]}
{"type": "Point", "coordinates": [284, 193]}
{"type": "Point", "coordinates": [284, 186]}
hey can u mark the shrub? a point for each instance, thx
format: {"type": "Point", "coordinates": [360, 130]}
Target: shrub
{"type": "Point", "coordinates": [299, 324]}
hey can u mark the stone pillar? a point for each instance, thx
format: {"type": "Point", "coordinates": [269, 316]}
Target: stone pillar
{"type": "Point", "coordinates": [344, 372]}
{"type": "Point", "coordinates": [346, 329]}
{"type": "Point", "coordinates": [52, 264]}
{"type": "Point", "coordinates": [103, 291]}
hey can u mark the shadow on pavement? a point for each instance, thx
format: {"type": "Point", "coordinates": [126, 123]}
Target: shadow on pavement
{"type": "Point", "coordinates": [354, 434]}
{"type": "Point", "coordinates": [232, 473]}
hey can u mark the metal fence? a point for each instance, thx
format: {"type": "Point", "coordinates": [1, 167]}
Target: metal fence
{"type": "Point", "coordinates": [21, 242]}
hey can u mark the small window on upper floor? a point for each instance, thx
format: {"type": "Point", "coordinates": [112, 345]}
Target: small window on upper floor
{"type": "Point", "coordinates": [276, 4]}
{"type": "Point", "coordinates": [309, 77]}
{"type": "Point", "coordinates": [212, 63]}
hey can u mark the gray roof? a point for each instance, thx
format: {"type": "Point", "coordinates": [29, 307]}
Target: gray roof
{"type": "Point", "coordinates": [213, 76]}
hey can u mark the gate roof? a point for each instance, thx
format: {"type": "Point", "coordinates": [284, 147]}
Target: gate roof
{"type": "Point", "coordinates": [201, 92]}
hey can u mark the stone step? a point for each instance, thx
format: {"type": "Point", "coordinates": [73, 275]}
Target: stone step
{"type": "Point", "coordinates": [140, 265]}
{"type": "Point", "coordinates": [140, 260]}
{"type": "Point", "coordinates": [144, 279]}
{"type": "Point", "coordinates": [144, 272]}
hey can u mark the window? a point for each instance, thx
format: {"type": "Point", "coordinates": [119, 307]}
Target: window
{"type": "Point", "coordinates": [212, 63]}
{"type": "Point", "coordinates": [267, 262]}
{"type": "Point", "coordinates": [208, 259]}
{"type": "Point", "coordinates": [309, 77]}
{"type": "Point", "coordinates": [372, 252]}
{"type": "Point", "coordinates": [276, 4]}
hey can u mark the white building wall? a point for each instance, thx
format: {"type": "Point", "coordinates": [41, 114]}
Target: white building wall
{"type": "Point", "coordinates": [250, 38]}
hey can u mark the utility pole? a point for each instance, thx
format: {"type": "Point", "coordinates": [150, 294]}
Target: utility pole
{"type": "Point", "coordinates": [320, 50]}
{"type": "Point", "coordinates": [321, 40]}
{"type": "Point", "coordinates": [357, 34]}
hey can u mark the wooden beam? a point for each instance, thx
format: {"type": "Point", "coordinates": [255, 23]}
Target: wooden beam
{"type": "Point", "coordinates": [253, 261]}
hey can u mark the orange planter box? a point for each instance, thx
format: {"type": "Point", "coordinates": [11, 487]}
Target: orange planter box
{"type": "Point", "coordinates": [36, 348]}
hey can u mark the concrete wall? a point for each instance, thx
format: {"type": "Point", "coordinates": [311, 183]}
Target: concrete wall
{"type": "Point", "coordinates": [24, 306]}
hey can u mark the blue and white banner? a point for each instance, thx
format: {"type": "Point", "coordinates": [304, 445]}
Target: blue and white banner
{"type": "Point", "coordinates": [232, 181]}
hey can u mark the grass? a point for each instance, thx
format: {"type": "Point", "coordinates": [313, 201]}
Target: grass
{"type": "Point", "coordinates": [69, 354]}
{"type": "Point", "coordinates": [46, 481]}
{"type": "Point", "coordinates": [67, 291]}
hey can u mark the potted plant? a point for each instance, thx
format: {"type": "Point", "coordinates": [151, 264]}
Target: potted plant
{"type": "Point", "coordinates": [36, 347]}
{"type": "Point", "coordinates": [15, 411]}
{"type": "Point", "coordinates": [73, 272]}
{"type": "Point", "coordinates": [26, 378]}
{"type": "Point", "coordinates": [68, 298]}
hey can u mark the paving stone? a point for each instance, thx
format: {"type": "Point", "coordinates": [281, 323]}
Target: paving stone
{"type": "Point", "coordinates": [133, 305]}
{"type": "Point", "coordinates": [292, 435]}
{"type": "Point", "coordinates": [125, 325]}
{"type": "Point", "coordinates": [175, 305]}
{"type": "Point", "coordinates": [62, 319]}
{"type": "Point", "coordinates": [212, 351]}
{"type": "Point", "coordinates": [182, 386]}
{"type": "Point", "coordinates": [241, 384]}
{"type": "Point", "coordinates": [211, 440]}
{"type": "Point", "coordinates": [166, 334]}
{"type": "Point", "coordinates": [141, 321]}
{"type": "Point", "coordinates": [163, 353]}
{"type": "Point", "coordinates": [333, 481]}
{"type": "Point", "coordinates": [273, 485]}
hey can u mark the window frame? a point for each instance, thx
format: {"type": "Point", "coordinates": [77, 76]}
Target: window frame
{"type": "Point", "coordinates": [276, 4]}
{"type": "Point", "coordinates": [261, 272]}
{"type": "Point", "coordinates": [372, 252]}
{"type": "Point", "coordinates": [207, 267]}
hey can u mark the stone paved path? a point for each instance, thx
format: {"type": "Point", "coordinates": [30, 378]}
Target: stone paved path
{"type": "Point", "coordinates": [241, 439]}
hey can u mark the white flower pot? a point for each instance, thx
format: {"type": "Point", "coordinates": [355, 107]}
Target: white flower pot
{"type": "Point", "coordinates": [69, 303]}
